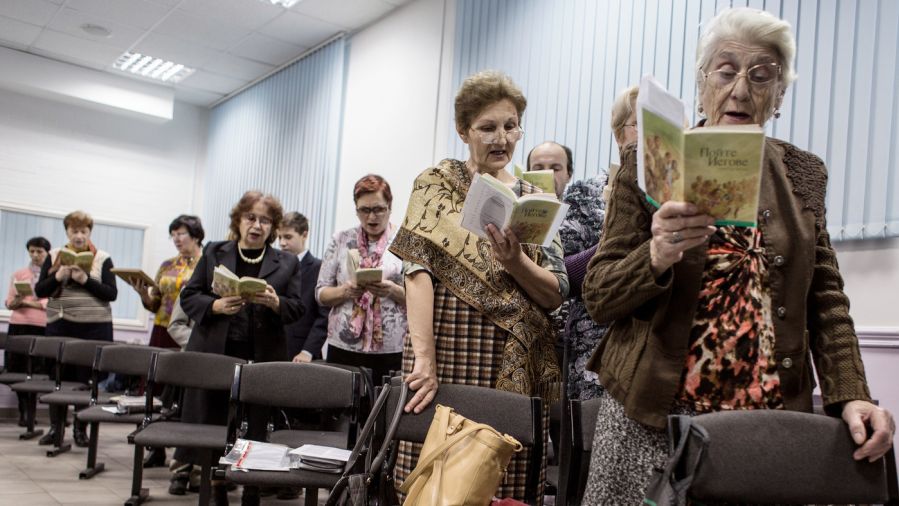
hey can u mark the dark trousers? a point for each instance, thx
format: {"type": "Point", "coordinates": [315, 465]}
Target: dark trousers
{"type": "Point", "coordinates": [381, 364]}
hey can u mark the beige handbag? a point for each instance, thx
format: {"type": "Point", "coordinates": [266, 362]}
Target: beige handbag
{"type": "Point", "coordinates": [461, 464]}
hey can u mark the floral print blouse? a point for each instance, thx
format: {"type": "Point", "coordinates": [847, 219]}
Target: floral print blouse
{"type": "Point", "coordinates": [172, 275]}
{"type": "Point", "coordinates": [334, 272]}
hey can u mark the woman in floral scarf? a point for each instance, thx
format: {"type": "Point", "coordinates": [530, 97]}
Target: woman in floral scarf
{"type": "Point", "coordinates": [368, 320]}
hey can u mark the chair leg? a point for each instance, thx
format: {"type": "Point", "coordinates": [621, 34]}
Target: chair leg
{"type": "Point", "coordinates": [93, 468]}
{"type": "Point", "coordinates": [311, 498]}
{"type": "Point", "coordinates": [138, 494]}
{"type": "Point", "coordinates": [205, 482]}
{"type": "Point", "coordinates": [30, 412]}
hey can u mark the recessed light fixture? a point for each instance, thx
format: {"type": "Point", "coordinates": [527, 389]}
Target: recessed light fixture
{"type": "Point", "coordinates": [96, 30]}
{"type": "Point", "coordinates": [287, 4]}
{"type": "Point", "coordinates": [152, 68]}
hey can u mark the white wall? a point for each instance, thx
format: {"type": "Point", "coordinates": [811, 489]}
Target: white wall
{"type": "Point", "coordinates": [390, 108]}
{"type": "Point", "coordinates": [58, 157]}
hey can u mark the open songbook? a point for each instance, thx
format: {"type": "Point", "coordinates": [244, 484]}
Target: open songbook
{"type": "Point", "coordinates": [132, 275]}
{"type": "Point", "coordinates": [226, 284]}
{"type": "Point", "coordinates": [83, 260]}
{"type": "Point", "coordinates": [717, 168]}
{"type": "Point", "coordinates": [361, 276]}
{"type": "Point", "coordinates": [23, 288]}
{"type": "Point", "coordinates": [535, 218]}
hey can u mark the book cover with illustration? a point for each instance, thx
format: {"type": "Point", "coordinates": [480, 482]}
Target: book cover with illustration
{"type": "Point", "coordinates": [23, 288]}
{"type": "Point", "coordinates": [542, 179]}
{"type": "Point", "coordinates": [226, 284]}
{"type": "Point", "coordinates": [535, 218]}
{"type": "Point", "coordinates": [717, 168]}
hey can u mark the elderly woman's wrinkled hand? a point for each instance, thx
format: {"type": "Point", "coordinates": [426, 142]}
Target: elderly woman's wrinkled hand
{"type": "Point", "coordinates": [423, 381]}
{"type": "Point", "coordinates": [676, 228]}
{"type": "Point", "coordinates": [859, 415]}
{"type": "Point", "coordinates": [506, 248]}
{"type": "Point", "coordinates": [227, 305]}
{"type": "Point", "coordinates": [79, 276]}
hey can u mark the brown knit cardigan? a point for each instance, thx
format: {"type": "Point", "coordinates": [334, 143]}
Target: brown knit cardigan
{"type": "Point", "coordinates": [641, 358]}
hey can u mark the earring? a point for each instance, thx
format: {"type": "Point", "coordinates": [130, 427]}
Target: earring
{"type": "Point", "coordinates": [700, 111]}
{"type": "Point", "coordinates": [776, 113]}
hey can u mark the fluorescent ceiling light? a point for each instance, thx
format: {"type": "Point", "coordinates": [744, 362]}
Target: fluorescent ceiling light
{"type": "Point", "coordinates": [287, 4]}
{"type": "Point", "coordinates": [152, 68]}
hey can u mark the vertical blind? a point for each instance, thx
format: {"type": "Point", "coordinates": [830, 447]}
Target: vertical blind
{"type": "Point", "coordinates": [280, 136]}
{"type": "Point", "coordinates": [572, 58]}
{"type": "Point", "coordinates": [124, 244]}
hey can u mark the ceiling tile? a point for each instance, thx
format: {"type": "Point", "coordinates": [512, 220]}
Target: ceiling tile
{"type": "Point", "coordinates": [204, 30]}
{"type": "Point", "coordinates": [69, 21]}
{"type": "Point", "coordinates": [344, 13]}
{"type": "Point", "coordinates": [36, 12]}
{"type": "Point", "coordinates": [176, 50]}
{"type": "Point", "coordinates": [208, 81]}
{"type": "Point", "coordinates": [17, 32]}
{"type": "Point", "coordinates": [136, 13]}
{"type": "Point", "coordinates": [300, 30]}
{"type": "Point", "coordinates": [85, 51]}
{"type": "Point", "coordinates": [196, 97]}
{"type": "Point", "coordinates": [237, 67]}
{"type": "Point", "coordinates": [249, 14]}
{"type": "Point", "coordinates": [267, 50]}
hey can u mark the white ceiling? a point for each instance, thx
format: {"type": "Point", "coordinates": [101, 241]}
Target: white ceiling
{"type": "Point", "coordinates": [228, 42]}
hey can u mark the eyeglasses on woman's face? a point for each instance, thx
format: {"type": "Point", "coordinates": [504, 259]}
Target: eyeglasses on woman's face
{"type": "Point", "coordinates": [376, 210]}
{"type": "Point", "coordinates": [763, 74]}
{"type": "Point", "coordinates": [265, 221]}
{"type": "Point", "coordinates": [490, 134]}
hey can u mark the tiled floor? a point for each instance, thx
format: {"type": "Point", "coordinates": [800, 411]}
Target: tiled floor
{"type": "Point", "coordinates": [29, 478]}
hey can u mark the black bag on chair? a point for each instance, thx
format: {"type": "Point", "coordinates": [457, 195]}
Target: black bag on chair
{"type": "Point", "coordinates": [686, 443]}
{"type": "Point", "coordinates": [360, 484]}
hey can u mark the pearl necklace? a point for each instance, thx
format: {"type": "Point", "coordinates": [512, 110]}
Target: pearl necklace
{"type": "Point", "coordinates": [251, 260]}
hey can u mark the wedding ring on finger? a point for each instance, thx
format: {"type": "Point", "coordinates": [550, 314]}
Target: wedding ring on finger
{"type": "Point", "coordinates": [676, 237]}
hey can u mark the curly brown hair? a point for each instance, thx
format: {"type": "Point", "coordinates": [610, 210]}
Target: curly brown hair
{"type": "Point", "coordinates": [245, 205]}
{"type": "Point", "coordinates": [481, 90]}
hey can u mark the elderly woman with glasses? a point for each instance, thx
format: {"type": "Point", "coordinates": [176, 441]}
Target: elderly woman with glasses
{"type": "Point", "coordinates": [478, 308]}
{"type": "Point", "coordinates": [247, 327]}
{"type": "Point", "coordinates": [709, 318]}
{"type": "Point", "coordinates": [367, 321]}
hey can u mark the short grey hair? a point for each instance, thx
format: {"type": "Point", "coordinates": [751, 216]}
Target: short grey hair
{"type": "Point", "coordinates": [744, 24]}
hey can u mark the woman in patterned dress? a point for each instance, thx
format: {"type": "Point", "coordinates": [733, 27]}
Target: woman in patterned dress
{"type": "Point", "coordinates": [478, 308]}
{"type": "Point", "coordinates": [709, 318]}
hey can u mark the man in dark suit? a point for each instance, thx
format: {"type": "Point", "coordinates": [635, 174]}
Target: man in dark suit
{"type": "Point", "coordinates": [306, 336]}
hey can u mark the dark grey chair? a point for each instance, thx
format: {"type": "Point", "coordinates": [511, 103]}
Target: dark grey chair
{"type": "Point", "coordinates": [50, 350]}
{"type": "Point", "coordinates": [77, 353]}
{"type": "Point", "coordinates": [304, 386]}
{"type": "Point", "coordinates": [125, 359]}
{"type": "Point", "coordinates": [778, 456]}
{"type": "Point", "coordinates": [18, 349]}
{"type": "Point", "coordinates": [516, 415]}
{"type": "Point", "coordinates": [582, 419]}
{"type": "Point", "coordinates": [187, 369]}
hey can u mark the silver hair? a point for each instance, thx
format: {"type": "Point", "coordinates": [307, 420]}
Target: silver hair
{"type": "Point", "coordinates": [744, 24]}
{"type": "Point", "coordinates": [624, 106]}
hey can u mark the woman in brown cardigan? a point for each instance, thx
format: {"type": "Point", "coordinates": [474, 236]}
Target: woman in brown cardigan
{"type": "Point", "coordinates": [709, 318]}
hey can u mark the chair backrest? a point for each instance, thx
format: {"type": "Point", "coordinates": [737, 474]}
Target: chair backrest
{"type": "Point", "coordinates": [20, 345]}
{"type": "Point", "coordinates": [48, 347]}
{"type": "Point", "coordinates": [583, 424]}
{"type": "Point", "coordinates": [128, 359]}
{"type": "Point", "coordinates": [311, 386]}
{"type": "Point", "coordinates": [513, 414]}
{"type": "Point", "coordinates": [784, 457]}
{"type": "Point", "coordinates": [81, 352]}
{"type": "Point", "coordinates": [192, 369]}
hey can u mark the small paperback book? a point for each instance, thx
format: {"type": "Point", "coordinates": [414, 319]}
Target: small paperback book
{"type": "Point", "coordinates": [131, 404]}
{"type": "Point", "coordinates": [535, 218]}
{"type": "Point", "coordinates": [23, 288]}
{"type": "Point", "coordinates": [542, 179]}
{"type": "Point", "coordinates": [226, 284]}
{"type": "Point", "coordinates": [248, 455]}
{"type": "Point", "coordinates": [83, 260]}
{"type": "Point", "coordinates": [133, 275]}
{"type": "Point", "coordinates": [361, 276]}
{"type": "Point", "coordinates": [717, 168]}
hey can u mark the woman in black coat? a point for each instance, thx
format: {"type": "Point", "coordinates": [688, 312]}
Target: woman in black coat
{"type": "Point", "coordinates": [248, 328]}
